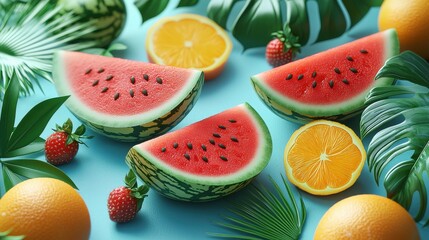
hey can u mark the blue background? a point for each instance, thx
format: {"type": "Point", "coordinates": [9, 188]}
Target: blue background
{"type": "Point", "coordinates": [100, 168]}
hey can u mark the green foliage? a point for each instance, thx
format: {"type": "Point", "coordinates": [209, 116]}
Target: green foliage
{"type": "Point", "coordinates": [398, 117]}
{"type": "Point", "coordinates": [150, 8]}
{"type": "Point", "coordinates": [24, 139]}
{"type": "Point", "coordinates": [139, 192]}
{"type": "Point", "coordinates": [266, 214]}
{"type": "Point", "coordinates": [5, 236]}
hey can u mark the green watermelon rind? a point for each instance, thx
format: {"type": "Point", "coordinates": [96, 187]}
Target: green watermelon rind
{"type": "Point", "coordinates": [177, 184]}
{"type": "Point", "coordinates": [141, 127]}
{"type": "Point", "coordinates": [296, 111]}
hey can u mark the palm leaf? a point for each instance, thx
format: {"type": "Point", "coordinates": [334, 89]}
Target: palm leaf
{"type": "Point", "coordinates": [266, 215]}
{"type": "Point", "coordinates": [29, 35]}
{"type": "Point", "coordinates": [398, 117]}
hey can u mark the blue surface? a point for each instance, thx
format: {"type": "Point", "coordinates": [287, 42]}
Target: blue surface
{"type": "Point", "coordinates": [100, 168]}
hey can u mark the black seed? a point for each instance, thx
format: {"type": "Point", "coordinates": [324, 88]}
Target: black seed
{"type": "Point", "coordinates": [234, 139]}
{"type": "Point", "coordinates": [345, 81]}
{"type": "Point", "coordinates": [116, 96]}
{"type": "Point", "coordinates": [144, 91]}
{"type": "Point", "coordinates": [314, 74]}
{"type": "Point", "coordinates": [95, 83]}
{"type": "Point", "coordinates": [354, 70]}
{"type": "Point", "coordinates": [205, 159]}
{"type": "Point", "coordinates": [224, 158]}
{"type": "Point", "coordinates": [232, 121]}
{"type": "Point", "coordinates": [216, 135]}
{"type": "Point", "coordinates": [88, 71]}
{"type": "Point", "coordinates": [100, 70]}
{"type": "Point", "coordinates": [300, 76]}
{"type": "Point", "coordinates": [349, 58]}
{"type": "Point", "coordinates": [337, 70]}
{"type": "Point", "coordinates": [159, 80]}
{"type": "Point", "coordinates": [221, 146]}
{"type": "Point", "coordinates": [133, 80]}
{"type": "Point", "coordinates": [364, 51]}
{"type": "Point", "coordinates": [175, 145]}
{"type": "Point", "coordinates": [132, 93]}
{"type": "Point", "coordinates": [222, 127]}
{"type": "Point", "coordinates": [189, 146]}
{"type": "Point", "coordinates": [104, 89]}
{"type": "Point", "coordinates": [314, 84]}
{"type": "Point", "coordinates": [187, 156]}
{"type": "Point", "coordinates": [289, 76]}
{"type": "Point", "coordinates": [163, 149]}
{"type": "Point", "coordinates": [204, 147]}
{"type": "Point", "coordinates": [146, 77]}
{"type": "Point", "coordinates": [212, 141]}
{"type": "Point", "coordinates": [331, 83]}
{"type": "Point", "coordinates": [109, 77]}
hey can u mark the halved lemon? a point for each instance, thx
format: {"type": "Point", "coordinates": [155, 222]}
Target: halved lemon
{"type": "Point", "coordinates": [324, 157]}
{"type": "Point", "coordinates": [189, 41]}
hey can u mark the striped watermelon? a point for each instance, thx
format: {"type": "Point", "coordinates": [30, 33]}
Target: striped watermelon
{"type": "Point", "coordinates": [206, 160]}
{"type": "Point", "coordinates": [122, 99]}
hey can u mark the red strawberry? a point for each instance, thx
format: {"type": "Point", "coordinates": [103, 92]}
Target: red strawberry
{"type": "Point", "coordinates": [62, 145]}
{"type": "Point", "coordinates": [125, 202]}
{"type": "Point", "coordinates": [283, 48]}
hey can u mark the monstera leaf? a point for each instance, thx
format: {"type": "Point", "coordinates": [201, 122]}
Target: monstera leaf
{"type": "Point", "coordinates": [398, 117]}
{"type": "Point", "coordinates": [257, 19]}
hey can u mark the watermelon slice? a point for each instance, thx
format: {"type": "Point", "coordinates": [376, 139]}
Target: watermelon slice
{"type": "Point", "coordinates": [207, 159]}
{"type": "Point", "coordinates": [332, 84]}
{"type": "Point", "coordinates": [122, 99]}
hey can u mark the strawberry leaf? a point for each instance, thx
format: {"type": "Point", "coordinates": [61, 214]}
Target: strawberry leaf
{"type": "Point", "coordinates": [8, 112]}
{"type": "Point", "coordinates": [130, 179]}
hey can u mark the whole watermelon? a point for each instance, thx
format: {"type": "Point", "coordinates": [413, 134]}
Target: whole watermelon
{"type": "Point", "coordinates": [108, 16]}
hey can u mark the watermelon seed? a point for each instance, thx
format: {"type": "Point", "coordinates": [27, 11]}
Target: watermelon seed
{"type": "Point", "coordinates": [146, 77]}
{"type": "Point", "coordinates": [234, 139]}
{"type": "Point", "coordinates": [100, 70]}
{"type": "Point", "coordinates": [354, 70]}
{"type": "Point", "coordinates": [314, 84]}
{"type": "Point", "coordinates": [221, 146]}
{"type": "Point", "coordinates": [132, 93]}
{"type": "Point", "coordinates": [224, 158]}
{"type": "Point", "coordinates": [349, 58]}
{"type": "Point", "coordinates": [232, 121]}
{"type": "Point", "coordinates": [144, 91]}
{"type": "Point", "coordinates": [133, 80]}
{"type": "Point", "coordinates": [216, 135]}
{"type": "Point", "coordinates": [104, 89]}
{"type": "Point", "coordinates": [159, 80]}
{"type": "Point", "coordinates": [175, 145]}
{"type": "Point", "coordinates": [337, 70]}
{"type": "Point", "coordinates": [95, 83]}
{"type": "Point", "coordinates": [187, 156]}
{"type": "Point", "coordinates": [212, 141]}
{"type": "Point", "coordinates": [314, 74]}
{"type": "Point", "coordinates": [289, 76]}
{"type": "Point", "coordinates": [345, 81]}
{"type": "Point", "coordinates": [364, 51]}
{"type": "Point", "coordinates": [109, 77]}
{"type": "Point", "coordinates": [116, 96]}
{"type": "Point", "coordinates": [222, 127]}
{"type": "Point", "coordinates": [205, 159]}
{"type": "Point", "coordinates": [331, 83]}
{"type": "Point", "coordinates": [204, 147]}
{"type": "Point", "coordinates": [88, 71]}
{"type": "Point", "coordinates": [189, 146]}
{"type": "Point", "coordinates": [300, 76]}
{"type": "Point", "coordinates": [163, 149]}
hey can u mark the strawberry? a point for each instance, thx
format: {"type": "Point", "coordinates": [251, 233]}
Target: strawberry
{"type": "Point", "coordinates": [283, 48]}
{"type": "Point", "coordinates": [126, 201]}
{"type": "Point", "coordinates": [62, 145]}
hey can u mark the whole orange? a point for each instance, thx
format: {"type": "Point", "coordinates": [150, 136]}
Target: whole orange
{"type": "Point", "coordinates": [367, 216]}
{"type": "Point", "coordinates": [409, 18]}
{"type": "Point", "coordinates": [44, 208]}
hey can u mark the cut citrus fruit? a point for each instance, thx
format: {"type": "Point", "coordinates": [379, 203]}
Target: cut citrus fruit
{"type": "Point", "coordinates": [189, 41]}
{"type": "Point", "coordinates": [324, 157]}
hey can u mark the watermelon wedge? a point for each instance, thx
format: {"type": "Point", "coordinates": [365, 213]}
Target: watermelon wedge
{"type": "Point", "coordinates": [207, 159]}
{"type": "Point", "coordinates": [122, 99]}
{"type": "Point", "coordinates": [331, 84]}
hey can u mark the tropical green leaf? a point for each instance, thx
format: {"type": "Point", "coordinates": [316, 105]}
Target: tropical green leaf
{"type": "Point", "coordinates": [149, 8]}
{"type": "Point", "coordinates": [398, 117]}
{"type": "Point", "coordinates": [10, 179]}
{"type": "Point", "coordinates": [108, 51]}
{"type": "Point", "coordinates": [8, 112]}
{"type": "Point", "coordinates": [219, 11]}
{"type": "Point", "coordinates": [332, 20]}
{"type": "Point", "coordinates": [297, 18]}
{"type": "Point", "coordinates": [34, 147]}
{"type": "Point", "coordinates": [187, 3]}
{"type": "Point", "coordinates": [31, 168]}
{"type": "Point", "coordinates": [34, 122]}
{"type": "Point", "coordinates": [6, 236]}
{"type": "Point", "coordinates": [265, 214]}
